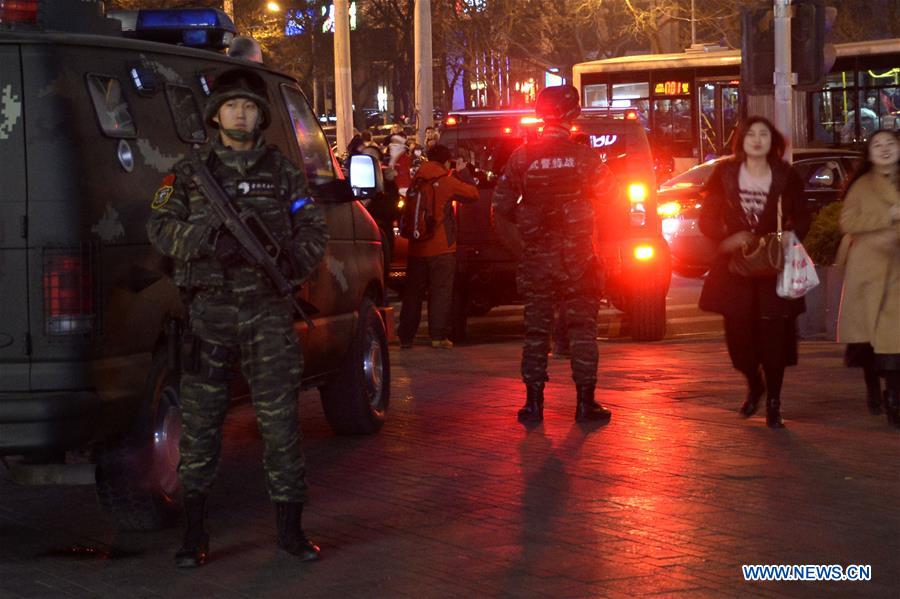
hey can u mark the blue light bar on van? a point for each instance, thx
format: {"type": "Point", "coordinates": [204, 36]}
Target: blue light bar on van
{"type": "Point", "coordinates": [195, 27]}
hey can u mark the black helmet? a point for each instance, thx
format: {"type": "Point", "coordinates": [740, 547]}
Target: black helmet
{"type": "Point", "coordinates": [558, 103]}
{"type": "Point", "coordinates": [238, 83]}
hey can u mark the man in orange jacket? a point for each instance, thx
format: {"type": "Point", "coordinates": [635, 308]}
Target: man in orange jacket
{"type": "Point", "coordinates": [431, 263]}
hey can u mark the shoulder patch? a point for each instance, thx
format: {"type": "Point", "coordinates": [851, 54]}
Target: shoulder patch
{"type": "Point", "coordinates": [302, 202]}
{"type": "Point", "coordinates": [162, 195]}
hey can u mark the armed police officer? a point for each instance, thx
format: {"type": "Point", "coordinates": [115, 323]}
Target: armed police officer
{"type": "Point", "coordinates": [235, 313]}
{"type": "Point", "coordinates": [548, 189]}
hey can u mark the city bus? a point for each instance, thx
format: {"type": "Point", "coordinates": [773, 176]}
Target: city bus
{"type": "Point", "coordinates": [691, 102]}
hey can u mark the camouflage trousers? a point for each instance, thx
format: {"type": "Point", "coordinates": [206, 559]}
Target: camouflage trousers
{"type": "Point", "coordinates": [258, 331]}
{"type": "Point", "coordinates": [578, 304]}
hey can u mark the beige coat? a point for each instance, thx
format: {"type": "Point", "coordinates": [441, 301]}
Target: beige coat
{"type": "Point", "coordinates": [870, 303]}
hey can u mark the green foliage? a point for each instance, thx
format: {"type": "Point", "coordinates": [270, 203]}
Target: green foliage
{"type": "Point", "coordinates": [825, 235]}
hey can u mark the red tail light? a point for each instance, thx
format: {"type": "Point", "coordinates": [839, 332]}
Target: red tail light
{"type": "Point", "coordinates": [18, 11]}
{"type": "Point", "coordinates": [643, 252]}
{"type": "Point", "coordinates": [68, 284]}
{"type": "Point", "coordinates": [451, 121]}
{"type": "Point", "coordinates": [631, 115]}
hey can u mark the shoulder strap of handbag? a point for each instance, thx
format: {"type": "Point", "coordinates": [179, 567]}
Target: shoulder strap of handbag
{"type": "Point", "coordinates": [779, 216]}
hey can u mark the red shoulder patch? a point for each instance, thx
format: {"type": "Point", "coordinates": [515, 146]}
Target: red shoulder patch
{"type": "Point", "coordinates": [168, 180]}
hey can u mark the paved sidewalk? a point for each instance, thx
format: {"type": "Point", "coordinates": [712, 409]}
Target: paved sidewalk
{"type": "Point", "coordinates": [455, 499]}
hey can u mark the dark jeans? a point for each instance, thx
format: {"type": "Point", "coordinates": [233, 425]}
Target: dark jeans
{"type": "Point", "coordinates": [433, 275]}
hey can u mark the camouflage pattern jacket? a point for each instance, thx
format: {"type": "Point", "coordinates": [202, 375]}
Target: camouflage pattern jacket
{"type": "Point", "coordinates": [559, 182]}
{"type": "Point", "coordinates": [261, 179]}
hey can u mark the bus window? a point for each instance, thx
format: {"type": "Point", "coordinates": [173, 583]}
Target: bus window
{"type": "Point", "coordinates": [833, 117]}
{"type": "Point", "coordinates": [672, 119]}
{"type": "Point", "coordinates": [595, 95]}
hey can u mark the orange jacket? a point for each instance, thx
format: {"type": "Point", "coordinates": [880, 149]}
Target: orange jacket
{"type": "Point", "coordinates": [447, 189]}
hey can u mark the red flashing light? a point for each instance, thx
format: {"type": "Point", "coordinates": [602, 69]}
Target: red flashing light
{"type": "Point", "coordinates": [631, 115]}
{"type": "Point", "coordinates": [507, 130]}
{"type": "Point", "coordinates": [574, 128]}
{"type": "Point", "coordinates": [18, 11]}
{"type": "Point", "coordinates": [451, 121]}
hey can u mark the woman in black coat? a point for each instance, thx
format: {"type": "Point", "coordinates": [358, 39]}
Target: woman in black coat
{"type": "Point", "coordinates": [740, 205]}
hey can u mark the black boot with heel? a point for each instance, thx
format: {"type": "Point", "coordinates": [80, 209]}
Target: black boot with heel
{"type": "Point", "coordinates": [194, 550]}
{"type": "Point", "coordinates": [892, 407]}
{"type": "Point", "coordinates": [773, 413]}
{"type": "Point", "coordinates": [756, 390]}
{"type": "Point", "coordinates": [533, 410]}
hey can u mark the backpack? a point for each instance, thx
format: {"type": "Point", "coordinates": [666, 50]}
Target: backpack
{"type": "Point", "coordinates": [418, 219]}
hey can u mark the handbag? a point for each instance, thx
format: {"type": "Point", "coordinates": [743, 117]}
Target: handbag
{"type": "Point", "coordinates": [763, 259]}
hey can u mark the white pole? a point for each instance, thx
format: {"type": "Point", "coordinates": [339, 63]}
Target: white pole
{"type": "Point", "coordinates": [784, 77]}
{"type": "Point", "coordinates": [423, 68]}
{"type": "Point", "coordinates": [343, 87]}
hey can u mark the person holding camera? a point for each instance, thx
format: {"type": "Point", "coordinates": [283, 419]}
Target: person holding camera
{"type": "Point", "coordinates": [747, 197]}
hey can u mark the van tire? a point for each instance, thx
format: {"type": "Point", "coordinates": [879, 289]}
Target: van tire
{"type": "Point", "coordinates": [137, 478]}
{"type": "Point", "coordinates": [355, 399]}
{"type": "Point", "coordinates": [647, 313]}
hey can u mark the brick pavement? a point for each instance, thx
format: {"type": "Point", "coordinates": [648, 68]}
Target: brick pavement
{"type": "Point", "coordinates": [455, 499]}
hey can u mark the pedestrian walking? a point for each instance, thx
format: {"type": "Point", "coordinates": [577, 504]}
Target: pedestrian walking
{"type": "Point", "coordinates": [431, 262]}
{"type": "Point", "coordinates": [869, 321]}
{"type": "Point", "coordinates": [742, 201]}
{"type": "Point", "coordinates": [235, 313]}
{"type": "Point", "coordinates": [548, 189]}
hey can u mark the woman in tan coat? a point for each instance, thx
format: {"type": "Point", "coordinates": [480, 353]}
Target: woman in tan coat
{"type": "Point", "coordinates": [870, 305]}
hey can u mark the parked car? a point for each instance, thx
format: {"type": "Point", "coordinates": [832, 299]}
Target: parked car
{"type": "Point", "coordinates": [90, 319]}
{"type": "Point", "coordinates": [824, 172]}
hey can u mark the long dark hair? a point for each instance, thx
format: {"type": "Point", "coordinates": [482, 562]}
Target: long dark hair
{"type": "Point", "coordinates": [864, 165]}
{"type": "Point", "coordinates": [776, 152]}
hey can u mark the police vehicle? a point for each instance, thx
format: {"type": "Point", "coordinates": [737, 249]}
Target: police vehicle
{"type": "Point", "coordinates": [93, 118]}
{"type": "Point", "coordinates": [634, 256]}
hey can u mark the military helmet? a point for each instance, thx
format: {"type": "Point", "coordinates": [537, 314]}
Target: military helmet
{"type": "Point", "coordinates": [238, 83]}
{"type": "Point", "coordinates": [558, 103]}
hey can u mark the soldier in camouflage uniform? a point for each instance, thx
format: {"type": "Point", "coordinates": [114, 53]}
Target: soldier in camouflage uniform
{"type": "Point", "coordinates": [548, 189]}
{"type": "Point", "coordinates": [235, 313]}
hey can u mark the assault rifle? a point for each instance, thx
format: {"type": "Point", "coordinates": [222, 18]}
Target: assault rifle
{"type": "Point", "coordinates": [259, 247]}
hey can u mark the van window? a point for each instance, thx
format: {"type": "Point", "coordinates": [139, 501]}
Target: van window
{"type": "Point", "coordinates": [186, 113]}
{"type": "Point", "coordinates": [312, 142]}
{"type": "Point", "coordinates": [112, 109]}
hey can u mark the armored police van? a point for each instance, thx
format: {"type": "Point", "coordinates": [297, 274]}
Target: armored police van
{"type": "Point", "coordinates": [90, 320]}
{"type": "Point", "coordinates": [634, 257]}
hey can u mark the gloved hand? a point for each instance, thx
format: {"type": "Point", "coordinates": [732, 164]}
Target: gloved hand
{"type": "Point", "coordinates": [227, 250]}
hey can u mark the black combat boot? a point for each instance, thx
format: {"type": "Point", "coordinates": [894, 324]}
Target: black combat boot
{"type": "Point", "coordinates": [533, 410]}
{"type": "Point", "coordinates": [289, 516]}
{"type": "Point", "coordinates": [587, 409]}
{"type": "Point", "coordinates": [892, 406]}
{"type": "Point", "coordinates": [773, 413]}
{"type": "Point", "coordinates": [194, 550]}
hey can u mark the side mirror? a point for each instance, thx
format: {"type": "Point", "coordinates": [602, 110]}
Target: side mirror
{"type": "Point", "coordinates": [365, 176]}
{"type": "Point", "coordinates": [823, 177]}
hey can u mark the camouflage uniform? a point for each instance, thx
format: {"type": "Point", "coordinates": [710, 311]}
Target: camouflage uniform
{"type": "Point", "coordinates": [558, 180]}
{"type": "Point", "coordinates": [236, 314]}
